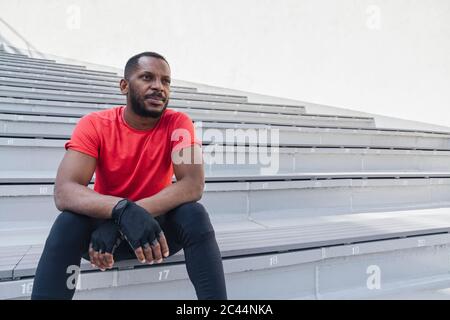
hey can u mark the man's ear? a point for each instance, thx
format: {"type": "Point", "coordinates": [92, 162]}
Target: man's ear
{"type": "Point", "coordinates": [124, 86]}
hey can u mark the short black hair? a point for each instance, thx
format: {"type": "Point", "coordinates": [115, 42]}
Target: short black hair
{"type": "Point", "coordinates": [133, 61]}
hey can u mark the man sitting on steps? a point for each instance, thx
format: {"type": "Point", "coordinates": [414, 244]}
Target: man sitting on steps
{"type": "Point", "coordinates": [134, 209]}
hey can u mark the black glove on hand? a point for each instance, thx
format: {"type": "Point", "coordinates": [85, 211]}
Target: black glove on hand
{"type": "Point", "coordinates": [137, 225]}
{"type": "Point", "coordinates": [106, 238]}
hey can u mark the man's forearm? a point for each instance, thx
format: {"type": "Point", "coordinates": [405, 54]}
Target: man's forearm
{"type": "Point", "coordinates": [83, 200]}
{"type": "Point", "coordinates": [171, 197]}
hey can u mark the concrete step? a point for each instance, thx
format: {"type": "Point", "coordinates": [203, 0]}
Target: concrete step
{"type": "Point", "coordinates": [78, 108]}
{"type": "Point", "coordinates": [21, 79]}
{"type": "Point", "coordinates": [22, 124]}
{"type": "Point", "coordinates": [29, 197]}
{"type": "Point", "coordinates": [37, 68]}
{"type": "Point", "coordinates": [19, 154]}
{"type": "Point", "coordinates": [40, 62]}
{"type": "Point", "coordinates": [326, 257]}
{"type": "Point", "coordinates": [61, 95]}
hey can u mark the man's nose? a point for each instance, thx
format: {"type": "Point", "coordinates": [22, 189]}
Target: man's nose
{"type": "Point", "coordinates": [157, 85]}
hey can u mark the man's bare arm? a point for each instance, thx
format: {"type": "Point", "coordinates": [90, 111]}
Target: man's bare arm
{"type": "Point", "coordinates": [189, 186]}
{"type": "Point", "coordinates": [71, 187]}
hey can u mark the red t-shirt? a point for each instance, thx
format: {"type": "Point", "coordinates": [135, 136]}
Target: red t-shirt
{"type": "Point", "coordinates": [131, 163]}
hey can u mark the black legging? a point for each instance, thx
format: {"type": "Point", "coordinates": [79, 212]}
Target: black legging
{"type": "Point", "coordinates": [187, 226]}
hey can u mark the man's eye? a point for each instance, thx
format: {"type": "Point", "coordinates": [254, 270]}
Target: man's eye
{"type": "Point", "coordinates": [146, 77]}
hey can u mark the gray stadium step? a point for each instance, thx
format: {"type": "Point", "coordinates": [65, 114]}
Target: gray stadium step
{"type": "Point", "coordinates": [11, 54]}
{"type": "Point", "coordinates": [41, 63]}
{"type": "Point", "coordinates": [59, 78]}
{"type": "Point", "coordinates": [314, 272]}
{"type": "Point", "coordinates": [50, 94]}
{"type": "Point", "coordinates": [48, 81]}
{"type": "Point", "coordinates": [186, 88]}
{"type": "Point", "coordinates": [36, 80]}
{"type": "Point", "coordinates": [38, 65]}
{"type": "Point", "coordinates": [19, 154]}
{"type": "Point", "coordinates": [55, 67]}
{"type": "Point", "coordinates": [46, 62]}
{"type": "Point", "coordinates": [33, 121]}
{"type": "Point", "coordinates": [61, 127]}
{"type": "Point", "coordinates": [213, 97]}
{"type": "Point", "coordinates": [11, 105]}
{"type": "Point", "coordinates": [60, 95]}
{"type": "Point", "coordinates": [64, 79]}
{"type": "Point", "coordinates": [271, 243]}
{"type": "Point", "coordinates": [226, 97]}
{"type": "Point", "coordinates": [53, 85]}
{"type": "Point", "coordinates": [15, 54]}
{"type": "Point", "coordinates": [323, 136]}
{"type": "Point", "coordinates": [7, 57]}
{"type": "Point", "coordinates": [36, 177]}
{"type": "Point", "coordinates": [77, 75]}
{"type": "Point", "coordinates": [26, 196]}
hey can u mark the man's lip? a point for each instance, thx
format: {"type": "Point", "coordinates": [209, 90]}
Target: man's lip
{"type": "Point", "coordinates": [154, 97]}
{"type": "Point", "coordinates": [155, 101]}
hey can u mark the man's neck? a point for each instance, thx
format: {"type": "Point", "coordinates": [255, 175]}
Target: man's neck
{"type": "Point", "coordinates": [137, 122]}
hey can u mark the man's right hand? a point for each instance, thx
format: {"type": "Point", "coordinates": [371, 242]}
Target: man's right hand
{"type": "Point", "coordinates": [104, 240]}
{"type": "Point", "coordinates": [141, 231]}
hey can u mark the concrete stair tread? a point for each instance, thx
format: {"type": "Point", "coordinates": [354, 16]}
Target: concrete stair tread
{"type": "Point", "coordinates": [277, 235]}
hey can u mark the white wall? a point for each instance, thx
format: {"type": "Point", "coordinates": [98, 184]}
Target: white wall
{"type": "Point", "coordinates": [388, 57]}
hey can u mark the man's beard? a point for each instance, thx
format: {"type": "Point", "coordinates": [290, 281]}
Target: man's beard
{"type": "Point", "coordinates": [138, 106]}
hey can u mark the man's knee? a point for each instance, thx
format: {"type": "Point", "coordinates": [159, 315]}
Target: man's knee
{"type": "Point", "coordinates": [193, 222]}
{"type": "Point", "coordinates": [71, 220]}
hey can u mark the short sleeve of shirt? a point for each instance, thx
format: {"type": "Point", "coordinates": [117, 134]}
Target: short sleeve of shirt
{"type": "Point", "coordinates": [183, 133]}
{"type": "Point", "coordinates": [84, 138]}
